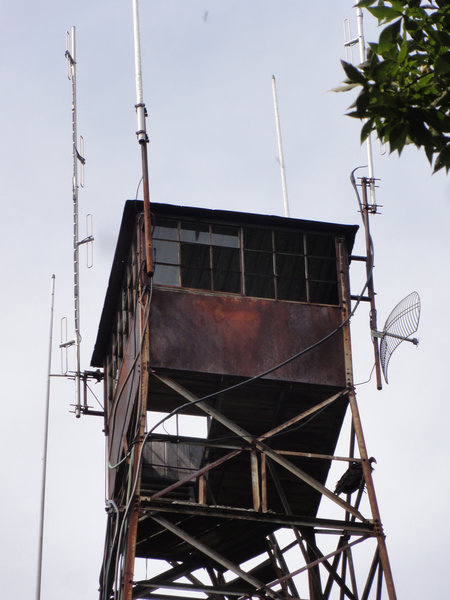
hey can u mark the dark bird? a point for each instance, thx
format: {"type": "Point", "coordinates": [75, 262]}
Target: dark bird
{"type": "Point", "coordinates": [353, 478]}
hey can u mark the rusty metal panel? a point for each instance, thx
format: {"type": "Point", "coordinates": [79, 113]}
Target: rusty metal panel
{"type": "Point", "coordinates": [123, 403]}
{"type": "Point", "coordinates": [242, 336]}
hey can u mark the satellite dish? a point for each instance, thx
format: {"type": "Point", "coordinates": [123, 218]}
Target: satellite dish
{"type": "Point", "coordinates": [400, 325]}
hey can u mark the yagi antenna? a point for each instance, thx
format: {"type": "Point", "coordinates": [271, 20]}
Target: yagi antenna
{"type": "Point", "coordinates": [400, 325]}
{"type": "Point", "coordinates": [78, 161]}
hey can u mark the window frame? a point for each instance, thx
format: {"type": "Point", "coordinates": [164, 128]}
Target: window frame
{"type": "Point", "coordinates": [309, 282]}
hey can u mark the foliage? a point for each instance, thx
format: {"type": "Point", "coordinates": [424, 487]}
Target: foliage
{"type": "Point", "coordinates": [405, 81]}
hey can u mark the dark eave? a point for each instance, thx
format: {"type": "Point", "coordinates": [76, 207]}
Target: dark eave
{"type": "Point", "coordinates": [133, 209]}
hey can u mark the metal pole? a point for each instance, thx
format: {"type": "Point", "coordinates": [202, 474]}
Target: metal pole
{"type": "Point", "coordinates": [142, 139]}
{"type": "Point", "coordinates": [280, 148]}
{"type": "Point", "coordinates": [71, 57]}
{"type": "Point", "coordinates": [362, 58]}
{"type": "Point", "coordinates": [44, 460]}
{"type": "Point", "coordinates": [356, 423]}
{"type": "Point", "coordinates": [370, 286]}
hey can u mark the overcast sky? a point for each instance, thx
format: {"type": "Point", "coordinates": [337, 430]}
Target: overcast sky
{"type": "Point", "coordinates": [207, 68]}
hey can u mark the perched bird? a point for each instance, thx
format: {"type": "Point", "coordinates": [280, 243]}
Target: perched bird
{"type": "Point", "coordinates": [352, 478]}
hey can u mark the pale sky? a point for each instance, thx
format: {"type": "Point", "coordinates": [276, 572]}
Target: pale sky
{"type": "Point", "coordinates": [207, 69]}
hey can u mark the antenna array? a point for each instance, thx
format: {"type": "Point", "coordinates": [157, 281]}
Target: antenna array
{"type": "Point", "coordinates": [78, 160]}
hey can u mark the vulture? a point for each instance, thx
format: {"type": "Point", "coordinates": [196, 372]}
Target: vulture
{"type": "Point", "coordinates": [352, 478]}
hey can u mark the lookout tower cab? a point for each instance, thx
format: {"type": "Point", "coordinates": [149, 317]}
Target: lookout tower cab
{"type": "Point", "coordinates": [244, 323]}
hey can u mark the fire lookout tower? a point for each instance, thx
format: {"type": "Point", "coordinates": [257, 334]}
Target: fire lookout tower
{"type": "Point", "coordinates": [245, 323]}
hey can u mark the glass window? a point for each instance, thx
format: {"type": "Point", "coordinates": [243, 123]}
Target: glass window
{"type": "Point", "coordinates": [226, 269]}
{"type": "Point", "coordinates": [258, 239]}
{"type": "Point", "coordinates": [320, 245]}
{"type": "Point", "coordinates": [166, 230]}
{"type": "Point", "coordinates": [323, 292]}
{"type": "Point", "coordinates": [195, 266]}
{"type": "Point", "coordinates": [167, 274]}
{"type": "Point", "coordinates": [264, 263]}
{"type": "Point", "coordinates": [291, 281]}
{"type": "Point", "coordinates": [166, 252]}
{"type": "Point", "coordinates": [225, 236]}
{"type": "Point", "coordinates": [321, 269]}
{"type": "Point", "coordinates": [195, 233]}
{"type": "Point", "coordinates": [289, 242]}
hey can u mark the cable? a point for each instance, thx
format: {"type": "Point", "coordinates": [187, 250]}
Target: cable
{"type": "Point", "coordinates": [180, 408]}
{"type": "Point", "coordinates": [132, 370]}
{"type": "Point", "coordinates": [137, 189]}
{"type": "Point", "coordinates": [268, 371]}
{"type": "Point", "coordinates": [92, 392]}
{"type": "Point", "coordinates": [370, 377]}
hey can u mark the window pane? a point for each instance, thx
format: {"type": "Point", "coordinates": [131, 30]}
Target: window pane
{"type": "Point", "coordinates": [290, 266]}
{"type": "Point", "coordinates": [227, 281]}
{"type": "Point", "coordinates": [196, 233]}
{"type": "Point", "coordinates": [292, 289]}
{"type": "Point", "coordinates": [322, 269]}
{"type": "Point", "coordinates": [196, 278]}
{"type": "Point", "coordinates": [323, 293]}
{"type": "Point", "coordinates": [258, 239]}
{"type": "Point", "coordinates": [225, 236]}
{"type": "Point", "coordinates": [291, 283]}
{"type": "Point", "coordinates": [195, 268]}
{"type": "Point", "coordinates": [166, 229]}
{"type": "Point", "coordinates": [260, 263]}
{"type": "Point", "coordinates": [320, 245]}
{"type": "Point", "coordinates": [289, 241]}
{"type": "Point", "coordinates": [226, 272]}
{"type": "Point", "coordinates": [165, 252]}
{"type": "Point", "coordinates": [259, 286]}
{"type": "Point", "coordinates": [166, 275]}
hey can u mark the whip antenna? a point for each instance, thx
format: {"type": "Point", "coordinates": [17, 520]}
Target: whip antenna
{"type": "Point", "coordinates": [349, 43]}
{"type": "Point", "coordinates": [280, 147]}
{"type": "Point", "coordinates": [142, 137]}
{"type": "Point", "coordinates": [45, 451]}
{"type": "Point", "coordinates": [402, 322]}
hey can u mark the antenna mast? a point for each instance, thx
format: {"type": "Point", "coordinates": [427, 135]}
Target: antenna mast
{"type": "Point", "coordinates": [142, 137]}
{"type": "Point", "coordinates": [77, 158]}
{"type": "Point", "coordinates": [362, 58]}
{"type": "Point", "coordinates": [280, 148]}
{"type": "Point", "coordinates": [44, 458]}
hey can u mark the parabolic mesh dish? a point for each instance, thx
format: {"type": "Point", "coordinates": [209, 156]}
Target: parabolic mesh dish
{"type": "Point", "coordinates": [400, 324]}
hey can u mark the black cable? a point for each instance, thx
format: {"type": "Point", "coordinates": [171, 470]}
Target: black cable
{"type": "Point", "coordinates": [268, 371]}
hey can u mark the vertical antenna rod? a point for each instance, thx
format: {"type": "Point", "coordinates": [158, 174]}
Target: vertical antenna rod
{"type": "Point", "coordinates": [362, 58]}
{"type": "Point", "coordinates": [44, 459]}
{"type": "Point", "coordinates": [142, 139]}
{"type": "Point", "coordinates": [280, 148]}
{"type": "Point", "coordinates": [71, 58]}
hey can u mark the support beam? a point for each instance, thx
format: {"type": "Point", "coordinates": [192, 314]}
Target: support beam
{"type": "Point", "coordinates": [248, 437]}
{"type": "Point", "coordinates": [218, 558]}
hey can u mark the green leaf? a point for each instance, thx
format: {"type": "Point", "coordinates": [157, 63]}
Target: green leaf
{"type": "Point", "coordinates": [442, 64]}
{"type": "Point", "coordinates": [365, 3]}
{"type": "Point", "coordinates": [384, 13]}
{"type": "Point", "coordinates": [388, 38]}
{"type": "Point", "coordinates": [354, 75]}
{"type": "Point", "coordinates": [403, 52]}
{"type": "Point", "coordinates": [367, 129]}
{"type": "Point", "coordinates": [397, 137]}
{"type": "Point", "coordinates": [442, 160]}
